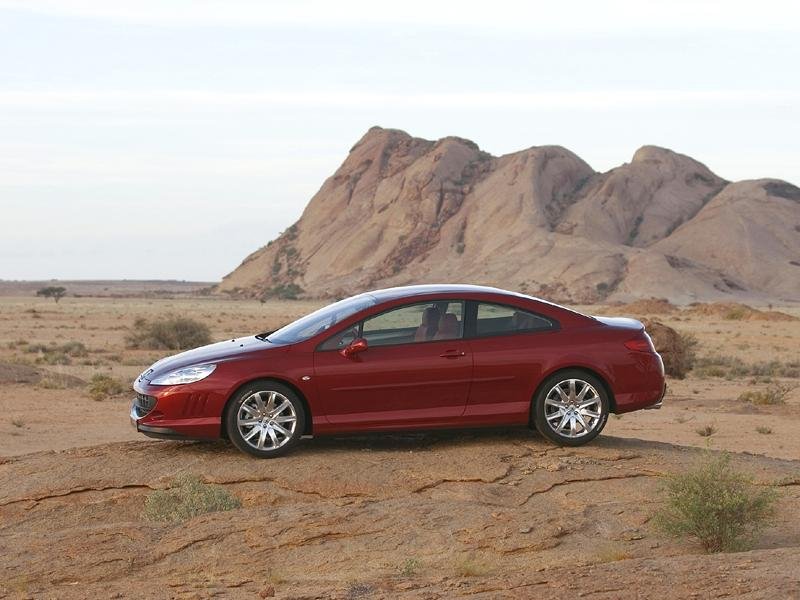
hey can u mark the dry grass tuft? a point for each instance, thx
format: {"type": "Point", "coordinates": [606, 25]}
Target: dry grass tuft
{"type": "Point", "coordinates": [775, 393]}
{"type": "Point", "coordinates": [54, 354]}
{"type": "Point", "coordinates": [706, 430]}
{"type": "Point", "coordinates": [731, 367]}
{"type": "Point", "coordinates": [468, 566]}
{"type": "Point", "coordinates": [612, 554]}
{"type": "Point", "coordinates": [104, 386]}
{"type": "Point", "coordinates": [187, 498]}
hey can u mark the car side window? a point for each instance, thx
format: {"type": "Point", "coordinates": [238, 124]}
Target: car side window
{"type": "Point", "coordinates": [341, 339]}
{"type": "Point", "coordinates": [497, 319]}
{"type": "Point", "coordinates": [414, 323]}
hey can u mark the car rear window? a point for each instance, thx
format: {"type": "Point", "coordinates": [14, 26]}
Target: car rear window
{"type": "Point", "coordinates": [498, 319]}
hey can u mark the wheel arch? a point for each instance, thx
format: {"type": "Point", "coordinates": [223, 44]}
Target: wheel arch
{"type": "Point", "coordinates": [308, 430]}
{"type": "Point", "coordinates": [593, 372]}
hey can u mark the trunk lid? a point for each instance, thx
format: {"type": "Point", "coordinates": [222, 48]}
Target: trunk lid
{"type": "Point", "coordinates": [622, 323]}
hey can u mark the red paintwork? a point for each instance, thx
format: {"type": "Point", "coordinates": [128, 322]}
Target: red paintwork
{"type": "Point", "coordinates": [478, 381]}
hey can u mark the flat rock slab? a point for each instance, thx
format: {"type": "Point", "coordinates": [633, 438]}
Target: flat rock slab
{"type": "Point", "coordinates": [491, 513]}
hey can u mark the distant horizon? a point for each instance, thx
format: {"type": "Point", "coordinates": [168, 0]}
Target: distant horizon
{"type": "Point", "coordinates": [165, 141]}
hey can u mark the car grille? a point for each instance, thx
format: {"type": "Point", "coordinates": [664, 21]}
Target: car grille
{"type": "Point", "coordinates": [143, 404]}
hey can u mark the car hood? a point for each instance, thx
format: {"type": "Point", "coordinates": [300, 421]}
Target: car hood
{"type": "Point", "coordinates": [213, 353]}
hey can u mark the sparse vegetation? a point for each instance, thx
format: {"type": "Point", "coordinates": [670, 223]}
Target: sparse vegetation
{"type": "Point", "coordinates": [51, 382]}
{"type": "Point", "coordinates": [187, 498]}
{"type": "Point", "coordinates": [730, 367]}
{"type": "Point", "coordinates": [706, 430]}
{"type": "Point", "coordinates": [56, 292]}
{"type": "Point", "coordinates": [764, 430]}
{"type": "Point", "coordinates": [54, 354]}
{"type": "Point", "coordinates": [612, 554]}
{"type": "Point", "coordinates": [104, 386]}
{"type": "Point", "coordinates": [774, 393]}
{"type": "Point", "coordinates": [469, 567]}
{"type": "Point", "coordinates": [170, 333]}
{"type": "Point", "coordinates": [284, 291]}
{"type": "Point", "coordinates": [410, 567]}
{"type": "Point", "coordinates": [716, 505]}
{"type": "Point", "coordinates": [18, 423]}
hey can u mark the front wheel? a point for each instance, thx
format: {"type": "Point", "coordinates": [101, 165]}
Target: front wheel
{"type": "Point", "coordinates": [265, 419]}
{"type": "Point", "coordinates": [571, 408]}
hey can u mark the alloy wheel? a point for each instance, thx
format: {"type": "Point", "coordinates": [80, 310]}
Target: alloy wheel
{"type": "Point", "coordinates": [573, 408]}
{"type": "Point", "coordinates": [266, 420]}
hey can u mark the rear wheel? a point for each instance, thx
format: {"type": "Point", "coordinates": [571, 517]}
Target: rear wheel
{"type": "Point", "coordinates": [265, 419]}
{"type": "Point", "coordinates": [571, 408]}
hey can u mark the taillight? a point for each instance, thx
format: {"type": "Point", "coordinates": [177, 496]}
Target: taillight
{"type": "Point", "coordinates": [640, 343]}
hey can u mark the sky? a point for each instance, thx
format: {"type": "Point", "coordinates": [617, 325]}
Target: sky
{"type": "Point", "coordinates": [168, 139]}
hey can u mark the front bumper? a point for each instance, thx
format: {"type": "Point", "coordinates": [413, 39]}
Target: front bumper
{"type": "Point", "coordinates": [172, 413]}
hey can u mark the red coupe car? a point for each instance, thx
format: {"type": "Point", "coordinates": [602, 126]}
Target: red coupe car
{"type": "Point", "coordinates": [427, 356]}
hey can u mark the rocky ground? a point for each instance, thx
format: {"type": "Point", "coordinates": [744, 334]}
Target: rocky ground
{"type": "Point", "coordinates": [482, 514]}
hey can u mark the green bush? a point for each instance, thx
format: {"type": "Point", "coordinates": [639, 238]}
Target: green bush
{"type": "Point", "coordinates": [716, 505]}
{"type": "Point", "coordinates": [187, 498]}
{"type": "Point", "coordinates": [171, 333]}
{"type": "Point", "coordinates": [104, 386]}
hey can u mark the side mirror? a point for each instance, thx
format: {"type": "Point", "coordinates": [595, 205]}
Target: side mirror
{"type": "Point", "coordinates": [356, 346]}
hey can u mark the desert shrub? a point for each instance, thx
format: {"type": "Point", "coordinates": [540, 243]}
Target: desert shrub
{"type": "Point", "coordinates": [187, 498]}
{"type": "Point", "coordinates": [773, 394]}
{"type": "Point", "coordinates": [104, 386]}
{"type": "Point", "coordinates": [764, 430]}
{"type": "Point", "coordinates": [54, 354]}
{"type": "Point", "coordinates": [706, 430]}
{"type": "Point", "coordinates": [730, 367]}
{"type": "Point", "coordinates": [170, 333]}
{"type": "Point", "coordinates": [51, 382]}
{"type": "Point", "coordinates": [677, 349]}
{"type": "Point", "coordinates": [716, 505]}
{"type": "Point", "coordinates": [410, 567]}
{"type": "Point", "coordinates": [284, 291]}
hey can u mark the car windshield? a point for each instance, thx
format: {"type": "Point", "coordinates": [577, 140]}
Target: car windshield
{"type": "Point", "coordinates": [321, 320]}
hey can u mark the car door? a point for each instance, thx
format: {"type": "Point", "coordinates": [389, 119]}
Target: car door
{"type": "Point", "coordinates": [509, 346]}
{"type": "Point", "coordinates": [416, 370]}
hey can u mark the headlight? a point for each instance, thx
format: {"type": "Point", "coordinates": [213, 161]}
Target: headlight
{"type": "Point", "coordinates": [184, 375]}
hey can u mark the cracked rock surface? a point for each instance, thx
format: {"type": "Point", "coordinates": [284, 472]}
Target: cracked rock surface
{"type": "Point", "coordinates": [482, 514]}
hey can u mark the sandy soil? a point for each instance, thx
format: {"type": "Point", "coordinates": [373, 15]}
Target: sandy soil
{"type": "Point", "coordinates": [486, 514]}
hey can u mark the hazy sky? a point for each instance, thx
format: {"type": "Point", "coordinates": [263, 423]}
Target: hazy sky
{"type": "Point", "coordinates": [169, 138]}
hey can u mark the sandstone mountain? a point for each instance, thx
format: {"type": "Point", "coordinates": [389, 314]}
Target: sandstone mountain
{"type": "Point", "coordinates": [405, 210]}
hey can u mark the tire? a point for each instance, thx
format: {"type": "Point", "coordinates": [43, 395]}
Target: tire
{"type": "Point", "coordinates": [564, 419]}
{"type": "Point", "coordinates": [259, 417]}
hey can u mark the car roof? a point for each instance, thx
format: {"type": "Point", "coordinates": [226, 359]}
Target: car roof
{"type": "Point", "coordinates": [439, 288]}
{"type": "Point", "coordinates": [407, 291]}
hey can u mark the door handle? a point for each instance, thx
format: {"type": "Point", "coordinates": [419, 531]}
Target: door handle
{"type": "Point", "coordinates": [453, 354]}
